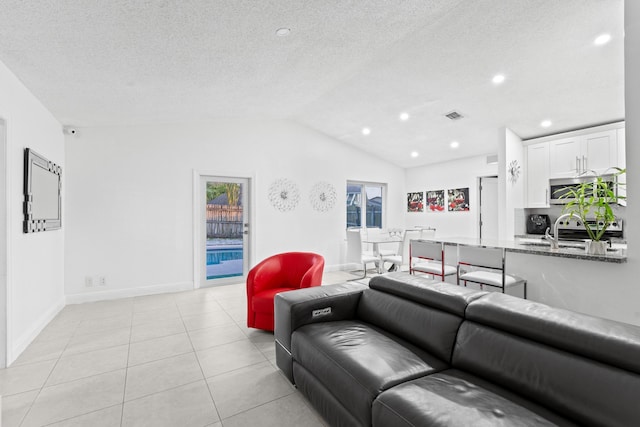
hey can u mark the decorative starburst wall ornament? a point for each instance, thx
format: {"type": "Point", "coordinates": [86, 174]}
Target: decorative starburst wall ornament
{"type": "Point", "coordinates": [322, 196]}
{"type": "Point", "coordinates": [284, 194]}
{"type": "Point", "coordinates": [514, 171]}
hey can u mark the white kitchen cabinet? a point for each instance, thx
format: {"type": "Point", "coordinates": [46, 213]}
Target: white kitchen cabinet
{"type": "Point", "coordinates": [600, 151]}
{"type": "Point", "coordinates": [579, 154]}
{"type": "Point", "coordinates": [537, 173]}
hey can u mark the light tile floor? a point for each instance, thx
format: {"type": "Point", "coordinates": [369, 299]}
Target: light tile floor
{"type": "Point", "coordinates": [180, 359]}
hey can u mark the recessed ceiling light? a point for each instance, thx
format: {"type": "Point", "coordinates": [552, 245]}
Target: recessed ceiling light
{"type": "Point", "coordinates": [545, 123]}
{"type": "Point", "coordinates": [414, 154]}
{"type": "Point", "coordinates": [366, 131]}
{"type": "Point", "coordinates": [404, 116]}
{"type": "Point", "coordinates": [602, 39]}
{"type": "Point", "coordinates": [454, 144]}
{"type": "Point", "coordinates": [283, 32]}
{"type": "Point", "coordinates": [498, 78]}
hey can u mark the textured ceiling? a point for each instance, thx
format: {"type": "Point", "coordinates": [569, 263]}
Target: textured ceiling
{"type": "Point", "coordinates": [345, 65]}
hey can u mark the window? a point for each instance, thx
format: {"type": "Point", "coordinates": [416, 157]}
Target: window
{"type": "Point", "coordinates": [373, 194]}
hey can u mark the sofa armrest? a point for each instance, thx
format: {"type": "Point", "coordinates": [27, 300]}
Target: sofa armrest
{"type": "Point", "coordinates": [297, 308]}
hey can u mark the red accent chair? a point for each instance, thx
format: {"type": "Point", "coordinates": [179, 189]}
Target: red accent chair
{"type": "Point", "coordinates": [279, 273]}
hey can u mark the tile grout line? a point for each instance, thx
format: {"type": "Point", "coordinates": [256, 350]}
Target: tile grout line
{"type": "Point", "coordinates": [74, 324]}
{"type": "Point", "coordinates": [48, 376]}
{"type": "Point", "coordinates": [80, 415]}
{"type": "Point", "coordinates": [126, 369]}
{"type": "Point", "coordinates": [206, 383]}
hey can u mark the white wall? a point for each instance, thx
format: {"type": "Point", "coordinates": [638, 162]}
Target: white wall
{"type": "Point", "coordinates": [443, 176]}
{"type": "Point", "coordinates": [35, 268]}
{"type": "Point", "coordinates": [3, 244]}
{"type": "Point", "coordinates": [130, 197]}
{"type": "Point", "coordinates": [510, 194]}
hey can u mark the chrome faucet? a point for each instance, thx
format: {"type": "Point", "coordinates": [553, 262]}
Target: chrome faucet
{"type": "Point", "coordinates": [554, 239]}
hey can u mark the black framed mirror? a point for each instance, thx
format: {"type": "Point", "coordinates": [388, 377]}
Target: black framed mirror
{"type": "Point", "coordinates": [42, 193]}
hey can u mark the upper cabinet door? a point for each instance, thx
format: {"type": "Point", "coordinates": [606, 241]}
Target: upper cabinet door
{"type": "Point", "coordinates": [537, 173]}
{"type": "Point", "coordinates": [599, 152]}
{"type": "Point", "coordinates": [595, 152]}
{"type": "Point", "coordinates": [564, 157]}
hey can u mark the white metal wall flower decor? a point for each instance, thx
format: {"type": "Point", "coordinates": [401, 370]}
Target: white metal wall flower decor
{"type": "Point", "coordinates": [322, 196]}
{"type": "Point", "coordinates": [284, 194]}
{"type": "Point", "coordinates": [514, 171]}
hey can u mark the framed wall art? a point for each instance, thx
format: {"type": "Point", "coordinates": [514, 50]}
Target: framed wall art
{"type": "Point", "coordinates": [435, 201]}
{"type": "Point", "coordinates": [458, 199]}
{"type": "Point", "coordinates": [415, 202]}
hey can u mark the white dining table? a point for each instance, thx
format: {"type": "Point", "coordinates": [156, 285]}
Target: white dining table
{"type": "Point", "coordinates": [376, 241]}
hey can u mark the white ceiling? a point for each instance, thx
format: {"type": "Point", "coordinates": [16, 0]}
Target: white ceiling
{"type": "Point", "coordinates": [345, 65]}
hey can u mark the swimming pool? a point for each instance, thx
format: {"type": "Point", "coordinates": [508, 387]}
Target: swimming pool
{"type": "Point", "coordinates": [224, 261]}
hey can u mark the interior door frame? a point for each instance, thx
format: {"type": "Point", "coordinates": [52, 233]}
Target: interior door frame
{"type": "Point", "coordinates": [198, 226]}
{"type": "Point", "coordinates": [480, 178]}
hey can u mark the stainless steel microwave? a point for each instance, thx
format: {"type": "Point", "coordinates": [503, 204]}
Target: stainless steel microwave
{"type": "Point", "coordinates": [559, 187]}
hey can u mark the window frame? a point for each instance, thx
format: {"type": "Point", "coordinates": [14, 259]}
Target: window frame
{"type": "Point", "coordinates": [363, 206]}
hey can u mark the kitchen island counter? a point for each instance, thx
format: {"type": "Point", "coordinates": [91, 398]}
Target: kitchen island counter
{"type": "Point", "coordinates": [539, 246]}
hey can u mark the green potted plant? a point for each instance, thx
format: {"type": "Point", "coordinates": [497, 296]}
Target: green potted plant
{"type": "Point", "coordinates": [593, 199]}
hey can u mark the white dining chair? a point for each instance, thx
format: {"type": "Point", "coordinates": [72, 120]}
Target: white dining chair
{"type": "Point", "coordinates": [486, 267]}
{"type": "Point", "coordinates": [355, 254]}
{"type": "Point", "coordinates": [402, 257]}
{"type": "Point", "coordinates": [428, 257]}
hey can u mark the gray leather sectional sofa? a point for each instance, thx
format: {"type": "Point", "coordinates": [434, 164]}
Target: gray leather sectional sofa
{"type": "Point", "coordinates": [411, 352]}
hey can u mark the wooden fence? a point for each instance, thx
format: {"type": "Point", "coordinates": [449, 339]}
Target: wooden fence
{"type": "Point", "coordinates": [224, 221]}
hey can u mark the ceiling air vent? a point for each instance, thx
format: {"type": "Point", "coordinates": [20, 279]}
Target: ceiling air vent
{"type": "Point", "coordinates": [454, 115]}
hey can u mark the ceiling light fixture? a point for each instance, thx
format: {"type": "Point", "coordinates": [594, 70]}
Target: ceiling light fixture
{"type": "Point", "coordinates": [497, 79]}
{"type": "Point", "coordinates": [366, 131]}
{"type": "Point", "coordinates": [414, 154]}
{"type": "Point", "coordinates": [454, 144]}
{"type": "Point", "coordinates": [283, 32]}
{"type": "Point", "coordinates": [404, 116]}
{"type": "Point", "coordinates": [602, 39]}
{"type": "Point", "coordinates": [545, 123]}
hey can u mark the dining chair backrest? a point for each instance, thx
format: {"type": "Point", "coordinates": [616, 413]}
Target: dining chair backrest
{"type": "Point", "coordinates": [428, 233]}
{"type": "Point", "coordinates": [481, 257]}
{"type": "Point", "coordinates": [372, 232]}
{"type": "Point", "coordinates": [354, 245]}
{"type": "Point", "coordinates": [426, 249]}
{"type": "Point", "coordinates": [405, 245]}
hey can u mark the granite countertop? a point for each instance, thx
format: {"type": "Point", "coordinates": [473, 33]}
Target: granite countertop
{"type": "Point", "coordinates": [538, 246]}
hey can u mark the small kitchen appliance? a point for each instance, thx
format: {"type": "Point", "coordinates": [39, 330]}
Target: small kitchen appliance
{"type": "Point", "coordinates": [537, 224]}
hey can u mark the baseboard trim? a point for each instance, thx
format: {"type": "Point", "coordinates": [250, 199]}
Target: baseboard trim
{"type": "Point", "coordinates": [128, 292]}
{"type": "Point", "coordinates": [343, 267]}
{"type": "Point", "coordinates": [27, 338]}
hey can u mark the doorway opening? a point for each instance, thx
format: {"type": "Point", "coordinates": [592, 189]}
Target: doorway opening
{"type": "Point", "coordinates": [488, 221]}
{"type": "Point", "coordinates": [224, 229]}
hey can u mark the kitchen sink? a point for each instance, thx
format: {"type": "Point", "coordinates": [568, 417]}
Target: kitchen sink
{"type": "Point", "coordinates": [564, 245]}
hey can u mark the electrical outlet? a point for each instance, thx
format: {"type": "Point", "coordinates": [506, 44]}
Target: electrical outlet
{"type": "Point", "coordinates": [88, 281]}
{"type": "Point", "coordinates": [102, 281]}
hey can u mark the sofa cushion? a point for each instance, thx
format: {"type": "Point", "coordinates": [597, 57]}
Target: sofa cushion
{"type": "Point", "coordinates": [262, 302]}
{"type": "Point", "coordinates": [610, 342]}
{"type": "Point", "coordinates": [574, 386]}
{"type": "Point", "coordinates": [433, 293]}
{"type": "Point", "coordinates": [356, 361]}
{"type": "Point", "coordinates": [331, 409]}
{"type": "Point", "coordinates": [455, 398]}
{"type": "Point", "coordinates": [427, 327]}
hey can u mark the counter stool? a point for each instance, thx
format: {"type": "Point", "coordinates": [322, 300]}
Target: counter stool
{"type": "Point", "coordinates": [429, 259]}
{"type": "Point", "coordinates": [486, 266]}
